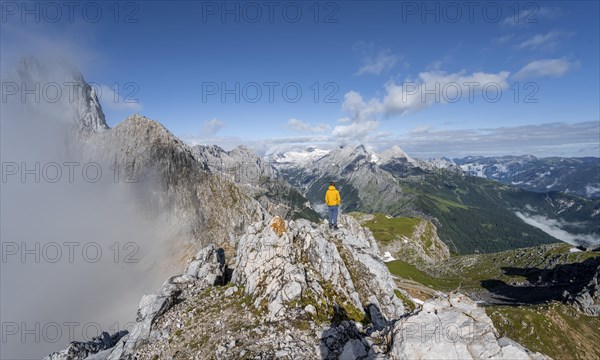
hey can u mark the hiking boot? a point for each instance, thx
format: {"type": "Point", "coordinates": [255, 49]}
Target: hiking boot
{"type": "Point", "coordinates": [335, 226]}
{"type": "Point", "coordinates": [330, 226]}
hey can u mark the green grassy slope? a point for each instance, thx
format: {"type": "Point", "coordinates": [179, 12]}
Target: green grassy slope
{"type": "Point", "coordinates": [478, 215]}
{"type": "Point", "coordinates": [552, 328]}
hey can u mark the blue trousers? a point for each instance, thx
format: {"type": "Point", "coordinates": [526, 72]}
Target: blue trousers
{"type": "Point", "coordinates": [333, 213]}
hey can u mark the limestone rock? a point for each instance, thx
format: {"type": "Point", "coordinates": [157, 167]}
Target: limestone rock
{"type": "Point", "coordinates": [281, 264]}
{"type": "Point", "coordinates": [258, 178]}
{"type": "Point", "coordinates": [81, 350]}
{"type": "Point", "coordinates": [150, 308]}
{"type": "Point", "coordinates": [232, 290]}
{"type": "Point", "coordinates": [587, 300]}
{"type": "Point", "coordinates": [453, 328]}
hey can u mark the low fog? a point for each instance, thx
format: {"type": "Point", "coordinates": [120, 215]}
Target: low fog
{"type": "Point", "coordinates": [77, 252]}
{"type": "Point", "coordinates": [553, 228]}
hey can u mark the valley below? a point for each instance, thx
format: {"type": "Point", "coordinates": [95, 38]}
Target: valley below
{"type": "Point", "coordinates": [545, 297]}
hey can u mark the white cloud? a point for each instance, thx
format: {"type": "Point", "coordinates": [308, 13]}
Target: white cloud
{"type": "Point", "coordinates": [301, 126]}
{"type": "Point", "coordinates": [541, 41]}
{"type": "Point", "coordinates": [421, 129]}
{"type": "Point", "coordinates": [438, 87]}
{"type": "Point", "coordinates": [411, 96]}
{"type": "Point", "coordinates": [542, 140]}
{"type": "Point", "coordinates": [362, 119]}
{"type": "Point", "coordinates": [359, 110]}
{"type": "Point", "coordinates": [211, 127]}
{"type": "Point", "coordinates": [375, 61]}
{"type": "Point", "coordinates": [591, 190]}
{"type": "Point", "coordinates": [265, 146]}
{"type": "Point", "coordinates": [384, 60]}
{"type": "Point", "coordinates": [546, 67]}
{"type": "Point", "coordinates": [550, 139]}
{"type": "Point", "coordinates": [355, 131]}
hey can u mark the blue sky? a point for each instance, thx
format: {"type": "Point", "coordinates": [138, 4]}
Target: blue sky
{"type": "Point", "coordinates": [387, 72]}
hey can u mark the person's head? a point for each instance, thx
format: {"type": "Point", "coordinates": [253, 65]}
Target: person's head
{"type": "Point", "coordinates": [332, 184]}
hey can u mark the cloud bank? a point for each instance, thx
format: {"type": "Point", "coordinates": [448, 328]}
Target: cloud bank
{"type": "Point", "coordinates": [553, 228]}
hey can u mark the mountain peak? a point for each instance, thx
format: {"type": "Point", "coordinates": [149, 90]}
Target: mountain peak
{"type": "Point", "coordinates": [140, 126]}
{"type": "Point", "coordinates": [243, 150]}
{"type": "Point", "coordinates": [81, 107]}
{"type": "Point", "coordinates": [350, 151]}
{"type": "Point", "coordinates": [395, 152]}
{"type": "Point", "coordinates": [27, 68]}
{"type": "Point", "coordinates": [361, 148]}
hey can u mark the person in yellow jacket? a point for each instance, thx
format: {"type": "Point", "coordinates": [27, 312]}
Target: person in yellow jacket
{"type": "Point", "coordinates": [333, 199]}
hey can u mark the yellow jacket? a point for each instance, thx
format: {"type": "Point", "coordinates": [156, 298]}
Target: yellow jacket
{"type": "Point", "coordinates": [332, 197]}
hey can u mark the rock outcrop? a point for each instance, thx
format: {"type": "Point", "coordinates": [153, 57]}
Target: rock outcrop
{"type": "Point", "coordinates": [258, 178]}
{"type": "Point", "coordinates": [55, 88]}
{"type": "Point", "coordinates": [421, 244]}
{"type": "Point", "coordinates": [453, 328]}
{"type": "Point", "coordinates": [206, 269]}
{"type": "Point", "coordinates": [307, 263]}
{"type": "Point", "coordinates": [81, 350]}
{"type": "Point", "coordinates": [587, 300]}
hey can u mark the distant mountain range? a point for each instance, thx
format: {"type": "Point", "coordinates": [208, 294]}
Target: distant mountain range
{"type": "Point", "coordinates": [473, 213]}
{"type": "Point", "coordinates": [580, 176]}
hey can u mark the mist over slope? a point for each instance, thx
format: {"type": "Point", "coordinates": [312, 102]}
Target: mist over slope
{"type": "Point", "coordinates": [69, 231]}
{"type": "Point", "coordinates": [92, 217]}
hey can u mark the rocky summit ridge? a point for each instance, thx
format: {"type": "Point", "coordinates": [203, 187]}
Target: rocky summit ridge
{"type": "Point", "coordinates": [295, 289]}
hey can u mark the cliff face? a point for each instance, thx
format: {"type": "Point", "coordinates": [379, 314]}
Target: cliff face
{"type": "Point", "coordinates": [258, 178]}
{"type": "Point", "coordinates": [56, 88]}
{"type": "Point", "coordinates": [588, 299]}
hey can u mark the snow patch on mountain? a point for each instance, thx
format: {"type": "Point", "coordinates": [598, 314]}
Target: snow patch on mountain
{"type": "Point", "coordinates": [592, 190]}
{"type": "Point", "coordinates": [299, 158]}
{"type": "Point", "coordinates": [569, 175]}
{"type": "Point", "coordinates": [374, 158]}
